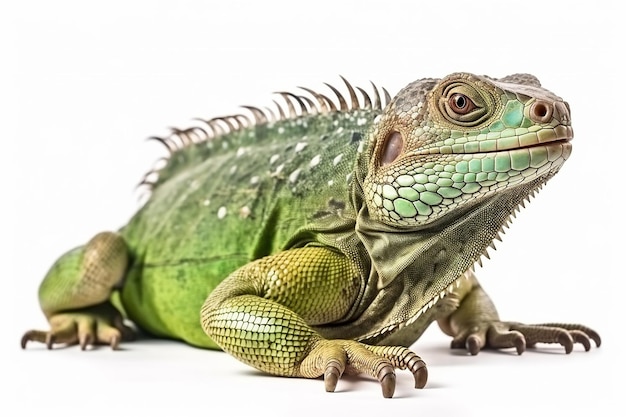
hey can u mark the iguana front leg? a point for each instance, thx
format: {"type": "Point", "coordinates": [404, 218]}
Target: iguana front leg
{"type": "Point", "coordinates": [475, 325]}
{"type": "Point", "coordinates": [75, 294]}
{"type": "Point", "coordinates": [263, 315]}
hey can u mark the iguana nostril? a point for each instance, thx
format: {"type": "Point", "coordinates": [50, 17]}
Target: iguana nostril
{"type": "Point", "coordinates": [562, 112]}
{"type": "Point", "coordinates": [541, 111]}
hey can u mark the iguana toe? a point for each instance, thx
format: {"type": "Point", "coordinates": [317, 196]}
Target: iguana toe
{"type": "Point", "coordinates": [472, 340]}
{"type": "Point", "coordinates": [115, 342]}
{"type": "Point", "coordinates": [36, 336]}
{"type": "Point", "coordinates": [582, 338]}
{"type": "Point", "coordinates": [403, 358]}
{"type": "Point", "coordinates": [474, 343]}
{"type": "Point", "coordinates": [502, 336]}
{"type": "Point", "coordinates": [420, 375]}
{"type": "Point", "coordinates": [84, 340]}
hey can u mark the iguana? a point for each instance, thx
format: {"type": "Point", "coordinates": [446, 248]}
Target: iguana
{"type": "Point", "coordinates": [322, 236]}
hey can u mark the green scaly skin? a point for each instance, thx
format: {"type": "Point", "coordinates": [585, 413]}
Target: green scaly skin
{"type": "Point", "coordinates": [328, 240]}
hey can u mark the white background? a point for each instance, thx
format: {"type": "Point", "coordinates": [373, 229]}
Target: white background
{"type": "Point", "coordinates": [87, 82]}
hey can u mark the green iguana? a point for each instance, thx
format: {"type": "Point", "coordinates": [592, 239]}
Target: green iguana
{"type": "Point", "coordinates": [324, 236]}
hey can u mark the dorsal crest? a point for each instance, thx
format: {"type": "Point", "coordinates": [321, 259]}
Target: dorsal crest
{"type": "Point", "coordinates": [288, 106]}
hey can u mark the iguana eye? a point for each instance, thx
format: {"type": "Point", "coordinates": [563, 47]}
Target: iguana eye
{"type": "Point", "coordinates": [461, 104]}
{"type": "Point", "coordinates": [464, 105]}
{"type": "Point", "coordinates": [392, 147]}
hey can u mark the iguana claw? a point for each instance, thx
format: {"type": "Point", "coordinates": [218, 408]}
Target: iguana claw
{"type": "Point", "coordinates": [334, 370]}
{"type": "Point", "coordinates": [388, 383]}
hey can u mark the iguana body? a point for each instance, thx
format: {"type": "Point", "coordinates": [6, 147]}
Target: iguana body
{"type": "Point", "coordinates": [329, 239]}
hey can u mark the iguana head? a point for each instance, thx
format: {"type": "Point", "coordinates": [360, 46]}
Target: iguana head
{"type": "Point", "coordinates": [443, 144]}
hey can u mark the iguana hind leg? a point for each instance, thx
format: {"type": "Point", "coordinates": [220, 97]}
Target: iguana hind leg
{"type": "Point", "coordinates": [75, 294]}
{"type": "Point", "coordinates": [475, 325]}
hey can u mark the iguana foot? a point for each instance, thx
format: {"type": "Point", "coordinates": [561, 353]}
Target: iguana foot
{"type": "Point", "coordinates": [502, 335]}
{"type": "Point", "coordinates": [331, 358]}
{"type": "Point", "coordinates": [98, 325]}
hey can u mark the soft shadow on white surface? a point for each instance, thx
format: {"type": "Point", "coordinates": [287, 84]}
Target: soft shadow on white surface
{"type": "Point", "coordinates": [153, 376]}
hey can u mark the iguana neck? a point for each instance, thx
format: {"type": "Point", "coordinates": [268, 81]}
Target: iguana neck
{"type": "Point", "coordinates": [406, 269]}
{"type": "Point", "coordinates": [421, 264]}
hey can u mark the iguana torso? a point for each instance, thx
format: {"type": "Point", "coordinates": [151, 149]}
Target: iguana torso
{"type": "Point", "coordinates": [329, 238]}
{"type": "Point", "coordinates": [243, 198]}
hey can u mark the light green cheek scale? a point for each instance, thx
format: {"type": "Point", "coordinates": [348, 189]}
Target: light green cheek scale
{"type": "Point", "coordinates": [323, 236]}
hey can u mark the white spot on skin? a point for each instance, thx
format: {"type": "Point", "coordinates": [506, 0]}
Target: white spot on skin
{"type": "Point", "coordinates": [245, 212]}
{"type": "Point", "coordinates": [361, 146]}
{"type": "Point", "coordinates": [300, 146]}
{"type": "Point", "coordinates": [293, 177]}
{"type": "Point", "coordinates": [233, 169]}
{"type": "Point", "coordinates": [337, 159]}
{"type": "Point", "coordinates": [330, 183]}
{"type": "Point", "coordinates": [241, 152]}
{"type": "Point", "coordinates": [221, 213]}
{"type": "Point", "coordinates": [279, 169]}
{"type": "Point", "coordinates": [281, 130]}
{"type": "Point", "coordinates": [206, 202]}
{"type": "Point", "coordinates": [361, 121]}
{"type": "Point", "coordinates": [254, 180]}
{"type": "Point", "coordinates": [274, 158]}
{"type": "Point", "coordinates": [315, 161]}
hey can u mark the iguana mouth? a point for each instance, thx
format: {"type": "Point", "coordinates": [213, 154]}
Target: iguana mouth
{"type": "Point", "coordinates": [559, 141]}
{"type": "Point", "coordinates": [560, 134]}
